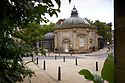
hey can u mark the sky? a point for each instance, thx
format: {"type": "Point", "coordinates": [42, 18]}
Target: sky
{"type": "Point", "coordinates": [101, 10]}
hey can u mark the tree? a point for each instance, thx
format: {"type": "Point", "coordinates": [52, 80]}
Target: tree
{"type": "Point", "coordinates": [33, 33]}
{"type": "Point", "coordinates": [103, 29]}
{"type": "Point", "coordinates": [49, 28]}
{"type": "Point", "coordinates": [17, 14]}
{"type": "Point", "coordinates": [107, 72]}
{"type": "Point", "coordinates": [89, 21]}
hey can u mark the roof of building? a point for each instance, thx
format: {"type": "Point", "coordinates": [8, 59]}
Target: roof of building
{"type": "Point", "coordinates": [49, 35]}
{"type": "Point", "coordinates": [74, 21]}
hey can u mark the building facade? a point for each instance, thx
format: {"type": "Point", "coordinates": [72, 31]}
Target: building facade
{"type": "Point", "coordinates": [75, 34]}
{"type": "Point", "coordinates": [47, 42]}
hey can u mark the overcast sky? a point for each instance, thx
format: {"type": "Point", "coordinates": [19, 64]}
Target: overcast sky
{"type": "Point", "coordinates": [101, 10]}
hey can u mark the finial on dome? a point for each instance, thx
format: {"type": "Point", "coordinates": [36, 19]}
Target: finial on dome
{"type": "Point", "coordinates": [74, 12]}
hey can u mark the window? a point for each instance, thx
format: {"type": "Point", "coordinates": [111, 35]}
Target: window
{"type": "Point", "coordinates": [81, 42]}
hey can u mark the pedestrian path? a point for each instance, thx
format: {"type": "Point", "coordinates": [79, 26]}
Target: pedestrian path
{"type": "Point", "coordinates": [69, 69]}
{"type": "Point", "coordinates": [98, 52]}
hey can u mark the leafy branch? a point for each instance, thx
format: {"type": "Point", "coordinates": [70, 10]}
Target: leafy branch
{"type": "Point", "coordinates": [107, 72]}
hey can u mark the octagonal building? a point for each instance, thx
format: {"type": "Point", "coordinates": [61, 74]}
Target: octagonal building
{"type": "Point", "coordinates": [75, 34]}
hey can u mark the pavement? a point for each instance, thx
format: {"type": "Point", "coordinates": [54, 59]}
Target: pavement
{"type": "Point", "coordinates": [69, 69]}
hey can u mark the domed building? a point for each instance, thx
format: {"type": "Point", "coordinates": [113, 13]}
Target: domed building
{"type": "Point", "coordinates": [75, 34]}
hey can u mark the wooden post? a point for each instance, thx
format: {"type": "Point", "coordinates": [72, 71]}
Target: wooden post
{"type": "Point", "coordinates": [96, 66]}
{"type": "Point", "coordinates": [37, 60]}
{"type": "Point", "coordinates": [63, 58]}
{"type": "Point", "coordinates": [59, 73]}
{"type": "Point", "coordinates": [76, 61]}
{"type": "Point", "coordinates": [55, 57]}
{"type": "Point", "coordinates": [44, 65]}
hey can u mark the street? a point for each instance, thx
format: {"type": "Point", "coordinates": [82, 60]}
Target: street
{"type": "Point", "coordinates": [47, 68]}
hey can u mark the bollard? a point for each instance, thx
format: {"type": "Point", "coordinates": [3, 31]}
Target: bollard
{"type": "Point", "coordinates": [63, 58]}
{"type": "Point", "coordinates": [76, 61]}
{"type": "Point", "coordinates": [59, 73]}
{"type": "Point", "coordinates": [37, 60]}
{"type": "Point", "coordinates": [96, 66]}
{"type": "Point", "coordinates": [44, 65]}
{"type": "Point", "coordinates": [55, 57]}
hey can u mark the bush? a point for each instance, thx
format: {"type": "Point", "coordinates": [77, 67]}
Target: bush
{"type": "Point", "coordinates": [107, 72]}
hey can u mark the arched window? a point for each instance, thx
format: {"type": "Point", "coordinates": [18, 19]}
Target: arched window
{"type": "Point", "coordinates": [66, 43]}
{"type": "Point", "coordinates": [81, 41]}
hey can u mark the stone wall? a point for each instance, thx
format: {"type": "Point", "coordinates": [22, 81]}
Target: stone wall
{"type": "Point", "coordinates": [78, 39]}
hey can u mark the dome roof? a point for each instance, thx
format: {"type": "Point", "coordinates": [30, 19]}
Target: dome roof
{"type": "Point", "coordinates": [74, 20]}
{"type": "Point", "coordinates": [49, 35]}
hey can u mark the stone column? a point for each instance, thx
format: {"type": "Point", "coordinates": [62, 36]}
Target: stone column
{"type": "Point", "coordinates": [74, 39]}
{"type": "Point", "coordinates": [88, 39]}
{"type": "Point", "coordinates": [55, 40]}
{"type": "Point", "coordinates": [119, 41]}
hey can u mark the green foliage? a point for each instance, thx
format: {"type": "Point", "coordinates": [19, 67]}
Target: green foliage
{"type": "Point", "coordinates": [43, 51]}
{"type": "Point", "coordinates": [11, 65]}
{"type": "Point", "coordinates": [89, 21]}
{"type": "Point", "coordinates": [31, 33]}
{"type": "Point", "coordinates": [107, 72]}
{"type": "Point", "coordinates": [103, 29]}
{"type": "Point", "coordinates": [87, 74]}
{"type": "Point", "coordinates": [49, 28]}
{"type": "Point", "coordinates": [92, 77]}
{"type": "Point", "coordinates": [34, 32]}
{"type": "Point", "coordinates": [22, 15]}
{"type": "Point", "coordinates": [98, 79]}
